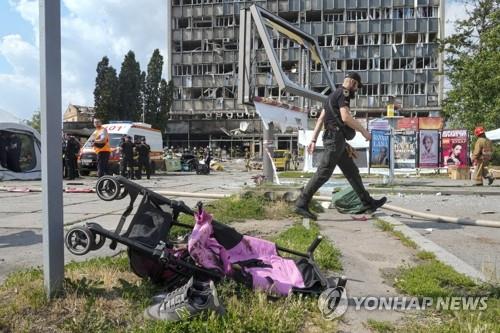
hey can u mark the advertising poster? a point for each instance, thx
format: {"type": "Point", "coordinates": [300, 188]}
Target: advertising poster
{"type": "Point", "coordinates": [405, 151]}
{"type": "Point", "coordinates": [428, 149]}
{"type": "Point", "coordinates": [409, 124]}
{"type": "Point", "coordinates": [430, 123]}
{"type": "Point", "coordinates": [379, 149]}
{"type": "Point", "coordinates": [454, 147]}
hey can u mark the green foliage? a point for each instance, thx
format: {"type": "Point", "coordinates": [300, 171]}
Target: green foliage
{"type": "Point", "coordinates": [166, 101]}
{"type": "Point", "coordinates": [106, 92]}
{"type": "Point", "coordinates": [425, 255]}
{"type": "Point", "coordinates": [299, 238]}
{"type": "Point", "coordinates": [35, 121]}
{"type": "Point", "coordinates": [380, 326]}
{"type": "Point", "coordinates": [130, 89]}
{"type": "Point", "coordinates": [295, 174]}
{"type": "Point", "coordinates": [433, 279]}
{"type": "Point", "coordinates": [387, 227]}
{"type": "Point", "coordinates": [152, 90]}
{"type": "Point", "coordinates": [473, 68]}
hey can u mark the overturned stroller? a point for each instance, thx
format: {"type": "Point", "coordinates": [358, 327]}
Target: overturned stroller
{"type": "Point", "coordinates": [212, 252]}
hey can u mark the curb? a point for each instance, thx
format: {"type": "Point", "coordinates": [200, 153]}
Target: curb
{"type": "Point", "coordinates": [428, 191]}
{"type": "Point", "coordinates": [427, 245]}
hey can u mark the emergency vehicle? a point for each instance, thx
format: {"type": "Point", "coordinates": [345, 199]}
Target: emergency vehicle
{"type": "Point", "coordinates": [87, 159]}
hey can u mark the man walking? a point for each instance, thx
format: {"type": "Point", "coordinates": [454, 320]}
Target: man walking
{"type": "Point", "coordinates": [101, 147]}
{"type": "Point", "coordinates": [481, 156]}
{"type": "Point", "coordinates": [336, 117]}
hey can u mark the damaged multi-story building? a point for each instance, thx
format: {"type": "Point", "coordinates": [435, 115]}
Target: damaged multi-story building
{"type": "Point", "coordinates": [392, 44]}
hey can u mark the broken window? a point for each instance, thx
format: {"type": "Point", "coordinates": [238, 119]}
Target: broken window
{"type": "Point", "coordinates": [409, 12]}
{"type": "Point", "coordinates": [224, 21]}
{"type": "Point", "coordinates": [398, 38]}
{"type": "Point", "coordinates": [194, 45]}
{"type": "Point", "coordinates": [357, 15]}
{"type": "Point", "coordinates": [386, 39]}
{"type": "Point", "coordinates": [384, 89]}
{"type": "Point", "coordinates": [202, 22]}
{"type": "Point", "coordinates": [333, 17]}
{"type": "Point", "coordinates": [182, 23]}
{"type": "Point", "coordinates": [397, 13]}
{"type": "Point", "coordinates": [182, 70]}
{"type": "Point", "coordinates": [202, 69]}
{"type": "Point", "coordinates": [374, 13]}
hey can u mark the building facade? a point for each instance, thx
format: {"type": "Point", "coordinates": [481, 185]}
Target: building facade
{"type": "Point", "coordinates": [392, 44]}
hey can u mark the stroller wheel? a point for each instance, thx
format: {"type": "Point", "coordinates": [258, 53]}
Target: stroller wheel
{"type": "Point", "coordinates": [107, 188]}
{"type": "Point", "coordinates": [80, 240]}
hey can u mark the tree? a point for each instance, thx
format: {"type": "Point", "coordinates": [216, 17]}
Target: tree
{"type": "Point", "coordinates": [473, 67]}
{"type": "Point", "coordinates": [35, 121]}
{"type": "Point", "coordinates": [143, 95]}
{"type": "Point", "coordinates": [166, 100]}
{"type": "Point", "coordinates": [152, 87]}
{"type": "Point", "coordinates": [130, 105]}
{"type": "Point", "coordinates": [106, 92]}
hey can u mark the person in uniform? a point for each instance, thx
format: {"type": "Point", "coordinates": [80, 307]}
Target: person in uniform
{"type": "Point", "coordinates": [335, 116]}
{"type": "Point", "coordinates": [127, 157]}
{"type": "Point", "coordinates": [72, 148]}
{"type": "Point", "coordinates": [101, 147]}
{"type": "Point", "coordinates": [481, 156]}
{"type": "Point", "coordinates": [143, 150]}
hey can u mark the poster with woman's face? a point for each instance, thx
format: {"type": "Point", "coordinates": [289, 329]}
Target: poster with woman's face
{"type": "Point", "coordinates": [428, 152]}
{"type": "Point", "coordinates": [379, 149]}
{"type": "Point", "coordinates": [454, 148]}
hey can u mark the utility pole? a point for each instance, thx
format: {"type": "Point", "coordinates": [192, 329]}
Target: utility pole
{"type": "Point", "coordinates": [50, 102]}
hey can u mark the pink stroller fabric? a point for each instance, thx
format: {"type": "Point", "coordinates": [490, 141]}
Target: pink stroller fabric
{"type": "Point", "coordinates": [278, 275]}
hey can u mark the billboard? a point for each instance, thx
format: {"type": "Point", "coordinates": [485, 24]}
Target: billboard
{"type": "Point", "coordinates": [428, 156]}
{"type": "Point", "coordinates": [430, 123]}
{"type": "Point", "coordinates": [405, 150]}
{"type": "Point", "coordinates": [454, 148]}
{"type": "Point", "coordinates": [407, 124]}
{"type": "Point", "coordinates": [379, 149]}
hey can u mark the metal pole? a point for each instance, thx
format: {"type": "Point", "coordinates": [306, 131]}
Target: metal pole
{"type": "Point", "coordinates": [268, 148]}
{"type": "Point", "coordinates": [50, 105]}
{"type": "Point", "coordinates": [168, 22]}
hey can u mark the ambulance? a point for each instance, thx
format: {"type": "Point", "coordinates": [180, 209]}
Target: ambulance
{"type": "Point", "coordinates": [87, 159]}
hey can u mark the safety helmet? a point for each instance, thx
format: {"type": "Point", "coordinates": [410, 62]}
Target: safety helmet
{"type": "Point", "coordinates": [479, 130]}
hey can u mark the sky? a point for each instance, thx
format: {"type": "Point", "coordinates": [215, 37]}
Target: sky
{"type": "Point", "coordinates": [90, 29]}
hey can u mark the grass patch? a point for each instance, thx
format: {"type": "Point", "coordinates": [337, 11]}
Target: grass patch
{"type": "Point", "coordinates": [103, 295]}
{"type": "Point", "coordinates": [387, 227]}
{"type": "Point", "coordinates": [295, 174]}
{"type": "Point", "coordinates": [432, 278]}
{"type": "Point", "coordinates": [425, 255]}
{"type": "Point", "coordinates": [380, 326]}
{"type": "Point", "coordinates": [299, 238]}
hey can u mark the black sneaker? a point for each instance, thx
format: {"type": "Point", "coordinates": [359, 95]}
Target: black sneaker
{"type": "Point", "coordinates": [305, 212]}
{"type": "Point", "coordinates": [490, 180]}
{"type": "Point", "coordinates": [186, 305]}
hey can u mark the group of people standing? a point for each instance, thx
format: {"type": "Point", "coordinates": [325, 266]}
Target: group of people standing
{"type": "Point", "coordinates": [134, 157]}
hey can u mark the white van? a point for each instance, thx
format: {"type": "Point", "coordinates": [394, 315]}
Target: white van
{"type": "Point", "coordinates": [87, 159]}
